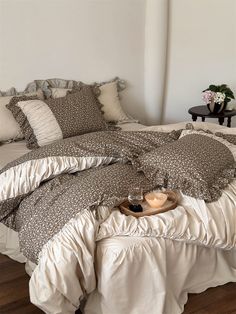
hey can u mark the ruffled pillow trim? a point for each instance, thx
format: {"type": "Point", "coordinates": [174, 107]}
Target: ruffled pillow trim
{"type": "Point", "coordinates": [208, 193]}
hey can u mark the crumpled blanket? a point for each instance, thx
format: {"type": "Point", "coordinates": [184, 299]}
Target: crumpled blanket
{"type": "Point", "coordinates": [41, 191]}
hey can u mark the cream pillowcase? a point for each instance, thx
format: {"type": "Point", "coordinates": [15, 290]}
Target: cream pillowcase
{"type": "Point", "coordinates": [9, 128]}
{"type": "Point", "coordinates": [59, 92]}
{"type": "Point", "coordinates": [44, 122]}
{"type": "Point", "coordinates": [109, 98]}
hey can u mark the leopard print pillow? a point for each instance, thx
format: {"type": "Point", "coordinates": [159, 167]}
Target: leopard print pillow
{"type": "Point", "coordinates": [44, 122]}
{"type": "Point", "coordinates": [199, 164]}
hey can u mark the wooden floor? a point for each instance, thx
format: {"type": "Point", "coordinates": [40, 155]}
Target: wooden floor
{"type": "Point", "coordinates": [14, 295]}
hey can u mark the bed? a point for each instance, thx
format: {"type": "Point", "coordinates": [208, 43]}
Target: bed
{"type": "Point", "coordinates": [120, 264]}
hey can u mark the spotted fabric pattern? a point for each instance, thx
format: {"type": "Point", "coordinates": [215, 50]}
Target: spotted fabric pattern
{"type": "Point", "coordinates": [41, 213]}
{"type": "Point", "coordinates": [60, 199]}
{"type": "Point", "coordinates": [127, 144]}
{"type": "Point", "coordinates": [76, 113]}
{"type": "Point", "coordinates": [77, 86]}
{"type": "Point", "coordinates": [231, 138]}
{"type": "Point", "coordinates": [198, 165]}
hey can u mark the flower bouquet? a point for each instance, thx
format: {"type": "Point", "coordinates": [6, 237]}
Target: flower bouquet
{"type": "Point", "coordinates": [217, 97]}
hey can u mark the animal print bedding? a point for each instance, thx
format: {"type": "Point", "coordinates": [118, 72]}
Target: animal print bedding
{"type": "Point", "coordinates": [44, 189]}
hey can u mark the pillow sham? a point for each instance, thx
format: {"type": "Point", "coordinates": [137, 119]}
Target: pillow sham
{"type": "Point", "coordinates": [19, 116]}
{"type": "Point", "coordinates": [110, 100]}
{"type": "Point", "coordinates": [226, 133]}
{"type": "Point", "coordinates": [231, 138]}
{"type": "Point", "coordinates": [59, 92]}
{"type": "Point", "coordinates": [107, 94]}
{"type": "Point", "coordinates": [43, 122]}
{"type": "Point", "coordinates": [199, 164]}
{"type": "Point", "coordinates": [9, 128]}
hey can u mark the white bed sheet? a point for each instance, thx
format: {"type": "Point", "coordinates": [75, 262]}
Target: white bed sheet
{"type": "Point", "coordinates": [139, 275]}
{"type": "Point", "coordinates": [12, 151]}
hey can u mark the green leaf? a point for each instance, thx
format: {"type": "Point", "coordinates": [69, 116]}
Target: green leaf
{"type": "Point", "coordinates": [224, 89]}
{"type": "Point", "coordinates": [213, 88]}
{"type": "Point", "coordinates": [230, 94]}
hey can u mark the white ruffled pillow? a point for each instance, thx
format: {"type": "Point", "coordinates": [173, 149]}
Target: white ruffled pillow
{"type": "Point", "coordinates": [9, 128]}
{"type": "Point", "coordinates": [59, 92]}
{"type": "Point", "coordinates": [109, 98]}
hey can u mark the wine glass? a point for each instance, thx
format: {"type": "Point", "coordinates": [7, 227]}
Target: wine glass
{"type": "Point", "coordinates": [135, 195]}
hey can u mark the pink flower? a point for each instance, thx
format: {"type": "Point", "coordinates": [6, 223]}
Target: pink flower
{"type": "Point", "coordinates": [208, 96]}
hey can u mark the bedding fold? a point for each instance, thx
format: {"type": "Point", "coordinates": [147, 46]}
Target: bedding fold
{"type": "Point", "coordinates": [192, 221]}
{"type": "Point", "coordinates": [44, 189]}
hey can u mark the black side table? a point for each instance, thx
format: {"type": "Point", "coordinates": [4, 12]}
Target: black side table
{"type": "Point", "coordinates": [203, 111]}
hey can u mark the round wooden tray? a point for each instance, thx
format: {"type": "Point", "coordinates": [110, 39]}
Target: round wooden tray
{"type": "Point", "coordinates": [171, 203]}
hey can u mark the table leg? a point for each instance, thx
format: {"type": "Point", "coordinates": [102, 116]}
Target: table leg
{"type": "Point", "coordinates": [203, 119]}
{"type": "Point", "coordinates": [229, 122]}
{"type": "Point", "coordinates": [221, 120]}
{"type": "Point", "coordinates": [194, 118]}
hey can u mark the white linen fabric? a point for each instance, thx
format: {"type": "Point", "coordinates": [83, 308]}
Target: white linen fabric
{"type": "Point", "coordinates": [150, 264]}
{"type": "Point", "coordinates": [109, 98]}
{"type": "Point", "coordinates": [9, 128]}
{"type": "Point", "coordinates": [131, 126]}
{"type": "Point", "coordinates": [12, 151]}
{"type": "Point", "coordinates": [9, 244]}
{"type": "Point", "coordinates": [197, 125]}
{"type": "Point", "coordinates": [192, 221]}
{"type": "Point", "coordinates": [37, 171]}
{"type": "Point", "coordinates": [148, 275]}
{"type": "Point", "coordinates": [159, 242]}
{"type": "Point", "coordinates": [42, 121]}
{"type": "Point", "coordinates": [59, 92]}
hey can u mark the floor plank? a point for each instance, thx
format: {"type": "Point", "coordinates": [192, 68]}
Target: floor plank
{"type": "Point", "coordinates": [14, 294]}
{"type": "Point", "coordinates": [219, 300]}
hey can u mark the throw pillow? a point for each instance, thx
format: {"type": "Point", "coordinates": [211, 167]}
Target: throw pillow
{"type": "Point", "coordinates": [199, 164]}
{"type": "Point", "coordinates": [43, 122]}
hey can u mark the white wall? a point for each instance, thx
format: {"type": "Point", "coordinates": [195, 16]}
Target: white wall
{"type": "Point", "coordinates": [156, 40]}
{"type": "Point", "coordinates": [202, 50]}
{"type": "Point", "coordinates": [98, 39]}
{"type": "Point", "coordinates": [74, 39]}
